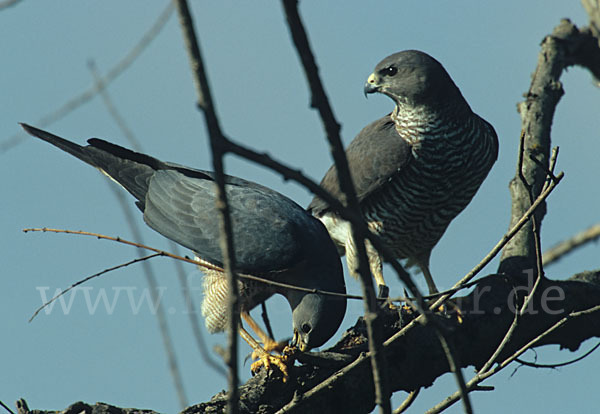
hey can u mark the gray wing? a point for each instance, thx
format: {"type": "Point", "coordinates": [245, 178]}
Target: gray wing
{"type": "Point", "coordinates": [265, 223]}
{"type": "Point", "coordinates": [374, 156]}
{"type": "Point", "coordinates": [271, 232]}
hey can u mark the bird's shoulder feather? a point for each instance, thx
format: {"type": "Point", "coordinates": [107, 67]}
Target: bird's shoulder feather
{"type": "Point", "coordinates": [374, 157]}
{"type": "Point", "coordinates": [268, 228]}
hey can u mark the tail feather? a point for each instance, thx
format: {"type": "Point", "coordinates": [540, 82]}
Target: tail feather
{"type": "Point", "coordinates": [127, 168]}
{"type": "Point", "coordinates": [72, 148]}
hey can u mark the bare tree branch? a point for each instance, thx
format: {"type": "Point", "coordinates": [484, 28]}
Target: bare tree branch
{"type": "Point", "coordinates": [85, 279]}
{"type": "Point", "coordinates": [81, 407]}
{"type": "Point", "coordinates": [560, 364]}
{"type": "Point", "coordinates": [112, 109]}
{"type": "Point", "coordinates": [416, 359]}
{"type": "Point", "coordinates": [558, 251]}
{"type": "Point", "coordinates": [174, 247]}
{"type": "Point", "coordinates": [320, 102]}
{"type": "Point", "coordinates": [218, 150]}
{"type": "Point", "coordinates": [192, 261]}
{"type": "Point", "coordinates": [148, 271]}
{"type": "Point", "coordinates": [592, 7]}
{"type": "Point", "coordinates": [6, 407]}
{"type": "Point", "coordinates": [480, 377]}
{"type": "Point", "coordinates": [566, 46]}
{"type": "Point", "coordinates": [412, 396]}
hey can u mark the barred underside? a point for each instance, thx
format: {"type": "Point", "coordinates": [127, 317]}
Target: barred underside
{"type": "Point", "coordinates": [215, 299]}
{"type": "Point", "coordinates": [451, 160]}
{"type": "Point", "coordinates": [214, 302]}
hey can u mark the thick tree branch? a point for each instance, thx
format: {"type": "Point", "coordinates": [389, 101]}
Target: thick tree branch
{"type": "Point", "coordinates": [565, 47]}
{"type": "Point", "coordinates": [83, 408]}
{"type": "Point", "coordinates": [417, 359]}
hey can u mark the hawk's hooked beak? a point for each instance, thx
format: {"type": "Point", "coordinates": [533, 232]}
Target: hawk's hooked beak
{"type": "Point", "coordinates": [297, 341]}
{"type": "Point", "coordinates": [371, 86]}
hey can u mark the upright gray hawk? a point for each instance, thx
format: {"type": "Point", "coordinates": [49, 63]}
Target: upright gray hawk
{"type": "Point", "coordinates": [274, 239]}
{"type": "Point", "coordinates": [416, 168]}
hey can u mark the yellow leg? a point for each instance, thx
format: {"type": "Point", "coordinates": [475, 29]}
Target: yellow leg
{"type": "Point", "coordinates": [261, 353]}
{"type": "Point", "coordinates": [376, 267]}
{"type": "Point", "coordinates": [433, 290]}
{"type": "Point", "coordinates": [429, 279]}
{"type": "Point", "coordinates": [268, 343]}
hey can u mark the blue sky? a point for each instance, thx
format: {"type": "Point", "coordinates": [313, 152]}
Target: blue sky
{"type": "Point", "coordinates": [114, 354]}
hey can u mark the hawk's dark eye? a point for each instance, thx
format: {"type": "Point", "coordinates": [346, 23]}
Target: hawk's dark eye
{"type": "Point", "coordinates": [306, 328]}
{"type": "Point", "coordinates": [391, 71]}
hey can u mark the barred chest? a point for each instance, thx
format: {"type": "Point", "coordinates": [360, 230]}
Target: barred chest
{"type": "Point", "coordinates": [450, 159]}
{"type": "Point", "coordinates": [450, 155]}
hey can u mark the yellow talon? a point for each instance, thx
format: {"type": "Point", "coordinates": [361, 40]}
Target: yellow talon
{"type": "Point", "coordinates": [268, 361]}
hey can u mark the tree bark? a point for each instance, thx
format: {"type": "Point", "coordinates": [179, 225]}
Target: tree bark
{"type": "Point", "coordinates": [416, 359]}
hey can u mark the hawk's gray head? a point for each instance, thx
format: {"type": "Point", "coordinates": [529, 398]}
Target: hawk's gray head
{"type": "Point", "coordinates": [412, 77]}
{"type": "Point", "coordinates": [316, 318]}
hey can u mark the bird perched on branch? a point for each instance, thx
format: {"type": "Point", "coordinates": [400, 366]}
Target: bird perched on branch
{"type": "Point", "coordinates": [416, 168]}
{"type": "Point", "coordinates": [274, 239]}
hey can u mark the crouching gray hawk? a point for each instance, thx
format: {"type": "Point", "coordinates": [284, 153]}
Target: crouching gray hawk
{"type": "Point", "coordinates": [274, 238]}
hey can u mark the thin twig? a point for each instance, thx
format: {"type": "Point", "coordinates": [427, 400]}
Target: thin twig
{"type": "Point", "coordinates": [123, 241]}
{"type": "Point", "coordinates": [551, 166]}
{"type": "Point", "coordinates": [218, 150]}
{"type": "Point", "coordinates": [112, 109]}
{"type": "Point", "coordinates": [412, 396]}
{"type": "Point", "coordinates": [186, 259]}
{"type": "Point", "coordinates": [505, 340]}
{"type": "Point", "coordinates": [509, 333]}
{"type": "Point", "coordinates": [558, 251]}
{"type": "Point", "coordinates": [6, 408]}
{"type": "Point", "coordinates": [80, 282]}
{"type": "Point", "coordinates": [540, 271]}
{"type": "Point", "coordinates": [535, 226]}
{"type": "Point", "coordinates": [561, 364]}
{"type": "Point", "coordinates": [89, 93]}
{"type": "Point", "coordinates": [188, 299]}
{"type": "Point", "coordinates": [148, 271]}
{"type": "Point", "coordinates": [456, 370]}
{"type": "Point", "coordinates": [511, 233]}
{"type": "Point", "coordinates": [488, 258]}
{"type": "Point", "coordinates": [549, 169]}
{"type": "Point", "coordinates": [481, 377]}
{"type": "Point", "coordinates": [320, 102]}
{"type": "Point", "coordinates": [326, 384]}
{"type": "Point", "coordinates": [265, 318]}
{"type": "Point", "coordinates": [450, 291]}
